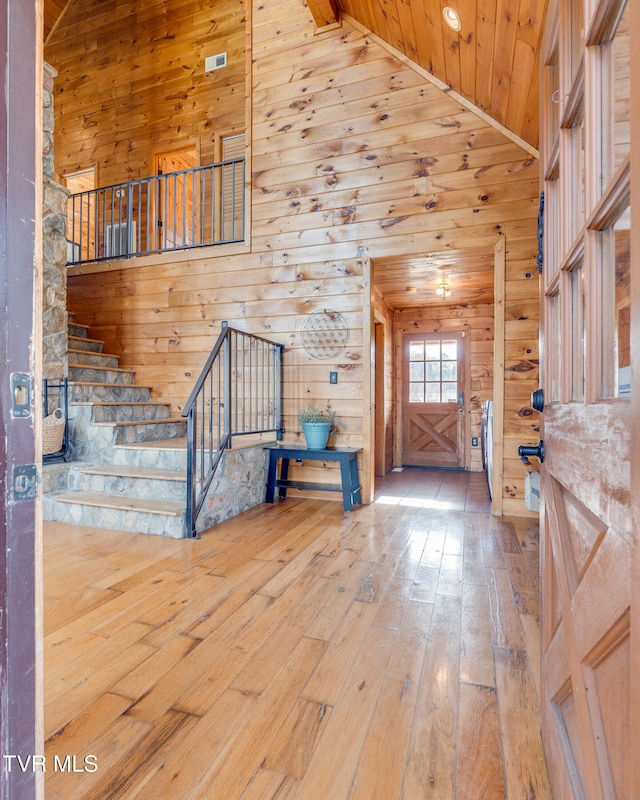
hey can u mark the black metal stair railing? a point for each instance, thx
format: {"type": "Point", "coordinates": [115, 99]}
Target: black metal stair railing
{"type": "Point", "coordinates": [238, 393]}
{"type": "Point", "coordinates": [179, 210]}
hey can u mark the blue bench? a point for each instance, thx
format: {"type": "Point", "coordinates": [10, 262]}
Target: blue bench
{"type": "Point", "coordinates": [345, 456]}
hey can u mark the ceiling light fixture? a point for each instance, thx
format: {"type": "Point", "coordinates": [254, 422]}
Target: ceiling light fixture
{"type": "Point", "coordinates": [443, 290]}
{"type": "Point", "coordinates": [452, 18]}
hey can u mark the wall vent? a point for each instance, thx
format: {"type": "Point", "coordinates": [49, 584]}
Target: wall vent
{"type": "Point", "coordinates": [215, 62]}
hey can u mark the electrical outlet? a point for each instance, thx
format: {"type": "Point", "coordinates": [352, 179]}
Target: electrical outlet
{"type": "Point", "coordinates": [474, 441]}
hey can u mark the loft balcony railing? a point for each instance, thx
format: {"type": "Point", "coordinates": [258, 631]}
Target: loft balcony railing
{"type": "Point", "coordinates": [191, 208]}
{"type": "Point", "coordinates": [238, 393]}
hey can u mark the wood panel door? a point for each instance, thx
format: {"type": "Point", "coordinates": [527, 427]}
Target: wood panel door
{"type": "Point", "coordinates": [433, 400]}
{"type": "Point", "coordinates": [588, 537]}
{"type": "Point", "coordinates": [177, 218]}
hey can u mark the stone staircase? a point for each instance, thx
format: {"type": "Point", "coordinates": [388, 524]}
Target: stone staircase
{"type": "Point", "coordinates": [129, 455]}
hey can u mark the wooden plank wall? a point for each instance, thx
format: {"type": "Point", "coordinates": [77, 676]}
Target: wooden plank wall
{"type": "Point", "coordinates": [346, 143]}
{"type": "Point", "coordinates": [131, 82]}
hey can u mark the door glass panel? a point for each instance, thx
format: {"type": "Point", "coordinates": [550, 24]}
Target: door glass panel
{"type": "Point", "coordinates": [432, 394]}
{"type": "Point", "coordinates": [552, 219]}
{"type": "Point", "coordinates": [615, 253]}
{"type": "Point", "coordinates": [416, 393]}
{"type": "Point", "coordinates": [621, 79]}
{"type": "Point", "coordinates": [577, 179]}
{"type": "Point", "coordinates": [433, 371]}
{"type": "Point", "coordinates": [614, 100]}
{"type": "Point", "coordinates": [554, 349]}
{"type": "Point", "coordinates": [416, 351]}
{"type": "Point", "coordinates": [432, 351]}
{"type": "Point", "coordinates": [449, 392]}
{"type": "Point", "coordinates": [449, 350]}
{"type": "Point", "coordinates": [576, 298]}
{"type": "Point", "coordinates": [577, 26]}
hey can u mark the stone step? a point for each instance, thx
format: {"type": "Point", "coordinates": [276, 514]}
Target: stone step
{"type": "Point", "coordinates": [95, 441]}
{"type": "Point", "coordinates": [93, 358]}
{"type": "Point", "coordinates": [159, 454]}
{"type": "Point", "coordinates": [83, 343]}
{"type": "Point", "coordinates": [81, 372]}
{"type": "Point", "coordinates": [141, 482]}
{"type": "Point", "coordinates": [75, 329]}
{"type": "Point", "coordinates": [103, 510]}
{"type": "Point", "coordinates": [86, 391]}
{"type": "Point", "coordinates": [124, 411]}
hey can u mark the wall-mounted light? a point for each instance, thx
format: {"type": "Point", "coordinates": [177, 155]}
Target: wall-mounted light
{"type": "Point", "coordinates": [443, 290]}
{"type": "Point", "coordinates": [411, 289]}
{"type": "Point", "coordinates": [452, 18]}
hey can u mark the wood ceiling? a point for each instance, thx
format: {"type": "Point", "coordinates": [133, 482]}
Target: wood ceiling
{"type": "Point", "coordinates": [492, 62]}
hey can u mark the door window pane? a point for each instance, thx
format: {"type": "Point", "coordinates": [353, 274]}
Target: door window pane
{"type": "Point", "coordinates": [577, 332]}
{"type": "Point", "coordinates": [416, 351]}
{"type": "Point", "coordinates": [433, 371]}
{"type": "Point", "coordinates": [554, 349]}
{"type": "Point", "coordinates": [416, 392]}
{"type": "Point", "coordinates": [615, 135]}
{"type": "Point", "coordinates": [432, 393]}
{"type": "Point", "coordinates": [449, 350]}
{"type": "Point", "coordinates": [449, 392]}
{"type": "Point", "coordinates": [416, 371]}
{"type": "Point", "coordinates": [576, 179]}
{"type": "Point", "coordinates": [616, 300]}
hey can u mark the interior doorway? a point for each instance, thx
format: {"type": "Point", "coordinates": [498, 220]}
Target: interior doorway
{"type": "Point", "coordinates": [433, 400]}
{"type": "Point", "coordinates": [176, 214]}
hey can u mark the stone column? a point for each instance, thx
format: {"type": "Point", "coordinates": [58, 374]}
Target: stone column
{"type": "Point", "coordinates": [54, 224]}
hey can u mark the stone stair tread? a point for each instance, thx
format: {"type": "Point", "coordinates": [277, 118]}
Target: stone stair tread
{"type": "Point", "coordinates": [72, 337]}
{"type": "Point", "coordinates": [103, 369]}
{"type": "Point", "coordinates": [91, 353]}
{"type": "Point", "coordinates": [117, 402]}
{"type": "Point", "coordinates": [172, 508]}
{"type": "Point", "coordinates": [179, 443]}
{"type": "Point", "coordinates": [107, 385]}
{"type": "Point", "coordinates": [130, 422]}
{"type": "Point", "coordinates": [151, 473]}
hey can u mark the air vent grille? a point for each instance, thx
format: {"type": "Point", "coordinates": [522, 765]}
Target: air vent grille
{"type": "Point", "coordinates": [215, 62]}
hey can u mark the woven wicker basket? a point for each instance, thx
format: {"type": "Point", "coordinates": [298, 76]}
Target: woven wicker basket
{"type": "Point", "coordinates": [53, 432]}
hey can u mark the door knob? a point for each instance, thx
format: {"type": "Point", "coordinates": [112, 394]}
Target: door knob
{"type": "Point", "coordinates": [536, 450]}
{"type": "Point", "coordinates": [537, 400]}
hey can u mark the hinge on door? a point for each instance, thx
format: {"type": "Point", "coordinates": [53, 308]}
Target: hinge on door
{"type": "Point", "coordinates": [20, 394]}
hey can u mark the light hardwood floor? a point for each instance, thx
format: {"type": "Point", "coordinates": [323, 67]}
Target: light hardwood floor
{"type": "Point", "coordinates": [300, 652]}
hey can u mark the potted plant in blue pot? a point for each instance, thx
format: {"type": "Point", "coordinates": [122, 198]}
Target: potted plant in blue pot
{"type": "Point", "coordinates": [317, 425]}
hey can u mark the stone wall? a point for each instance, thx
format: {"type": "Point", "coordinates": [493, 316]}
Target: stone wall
{"type": "Point", "coordinates": [54, 245]}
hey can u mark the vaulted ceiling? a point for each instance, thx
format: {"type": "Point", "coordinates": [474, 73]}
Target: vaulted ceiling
{"type": "Point", "coordinates": [492, 62]}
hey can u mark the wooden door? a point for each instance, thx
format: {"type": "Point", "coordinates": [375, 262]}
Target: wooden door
{"type": "Point", "coordinates": [588, 539]}
{"type": "Point", "coordinates": [177, 220]}
{"type": "Point", "coordinates": [433, 400]}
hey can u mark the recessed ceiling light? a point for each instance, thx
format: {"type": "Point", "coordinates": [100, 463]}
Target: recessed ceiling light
{"type": "Point", "coordinates": [452, 18]}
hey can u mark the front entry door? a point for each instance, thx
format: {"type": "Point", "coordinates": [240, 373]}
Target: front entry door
{"type": "Point", "coordinates": [588, 538]}
{"type": "Point", "coordinates": [433, 400]}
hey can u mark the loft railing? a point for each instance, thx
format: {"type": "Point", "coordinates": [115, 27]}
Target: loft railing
{"type": "Point", "coordinates": [238, 393]}
{"type": "Point", "coordinates": [190, 208]}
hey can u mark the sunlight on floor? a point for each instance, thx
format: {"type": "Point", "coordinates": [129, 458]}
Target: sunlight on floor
{"type": "Point", "coordinates": [414, 502]}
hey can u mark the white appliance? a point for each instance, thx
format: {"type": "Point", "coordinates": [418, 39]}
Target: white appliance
{"type": "Point", "coordinates": [487, 441]}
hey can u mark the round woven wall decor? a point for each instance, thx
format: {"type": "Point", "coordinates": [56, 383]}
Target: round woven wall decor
{"type": "Point", "coordinates": [324, 334]}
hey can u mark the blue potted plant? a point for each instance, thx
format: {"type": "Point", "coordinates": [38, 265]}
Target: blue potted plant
{"type": "Point", "coordinates": [317, 425]}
